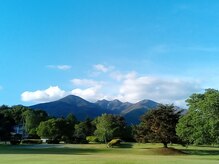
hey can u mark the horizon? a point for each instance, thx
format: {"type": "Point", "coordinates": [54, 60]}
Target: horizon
{"type": "Point", "coordinates": [128, 50]}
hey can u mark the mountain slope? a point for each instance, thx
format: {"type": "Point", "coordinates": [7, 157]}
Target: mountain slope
{"type": "Point", "coordinates": [133, 113]}
{"type": "Point", "coordinates": [71, 104]}
{"type": "Point", "coordinates": [114, 106]}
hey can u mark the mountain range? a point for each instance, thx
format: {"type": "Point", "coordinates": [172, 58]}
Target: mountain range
{"type": "Point", "coordinates": [83, 109]}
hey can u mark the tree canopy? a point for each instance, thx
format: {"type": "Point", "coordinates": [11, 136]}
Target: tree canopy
{"type": "Point", "coordinates": [158, 125]}
{"type": "Point", "coordinates": [200, 125]}
{"type": "Point", "coordinates": [109, 126]}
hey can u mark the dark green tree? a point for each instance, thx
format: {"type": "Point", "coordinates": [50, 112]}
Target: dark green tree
{"type": "Point", "coordinates": [6, 126]}
{"type": "Point", "coordinates": [159, 125]}
{"type": "Point", "coordinates": [48, 129]}
{"type": "Point", "coordinates": [200, 125]}
{"type": "Point", "coordinates": [32, 119]}
{"type": "Point", "coordinates": [17, 113]}
{"type": "Point", "coordinates": [57, 129]}
{"type": "Point", "coordinates": [84, 129]}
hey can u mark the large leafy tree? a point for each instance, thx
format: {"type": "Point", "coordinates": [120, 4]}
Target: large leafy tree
{"type": "Point", "coordinates": [17, 113]}
{"type": "Point", "coordinates": [57, 129]}
{"type": "Point", "coordinates": [109, 126]}
{"type": "Point", "coordinates": [159, 125]}
{"type": "Point", "coordinates": [48, 129]}
{"type": "Point", "coordinates": [200, 125]}
{"type": "Point", "coordinates": [32, 119]}
{"type": "Point", "coordinates": [84, 129]}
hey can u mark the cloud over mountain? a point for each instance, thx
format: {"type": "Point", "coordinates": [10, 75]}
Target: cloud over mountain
{"type": "Point", "coordinates": [50, 94]}
{"type": "Point", "coordinates": [130, 87]}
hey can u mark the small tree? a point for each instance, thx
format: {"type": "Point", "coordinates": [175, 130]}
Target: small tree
{"type": "Point", "coordinates": [159, 125]}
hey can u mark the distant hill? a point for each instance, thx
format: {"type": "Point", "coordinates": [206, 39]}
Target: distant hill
{"type": "Point", "coordinates": [83, 109]}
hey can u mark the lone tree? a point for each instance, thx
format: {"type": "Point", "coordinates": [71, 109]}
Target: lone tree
{"type": "Point", "coordinates": [159, 125]}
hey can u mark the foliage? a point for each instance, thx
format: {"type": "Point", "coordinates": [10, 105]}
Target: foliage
{"type": "Point", "coordinates": [17, 113]}
{"type": "Point", "coordinates": [82, 130]}
{"type": "Point", "coordinates": [6, 126]}
{"type": "Point", "coordinates": [109, 126]}
{"type": "Point", "coordinates": [15, 139]}
{"type": "Point", "coordinates": [32, 119]}
{"type": "Point", "coordinates": [91, 139]}
{"type": "Point", "coordinates": [200, 125]}
{"type": "Point", "coordinates": [57, 129]}
{"type": "Point", "coordinates": [48, 129]}
{"type": "Point", "coordinates": [31, 141]}
{"type": "Point", "coordinates": [159, 125]}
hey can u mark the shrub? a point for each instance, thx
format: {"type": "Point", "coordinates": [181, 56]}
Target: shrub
{"type": "Point", "coordinates": [92, 139]}
{"type": "Point", "coordinates": [114, 142]}
{"type": "Point", "coordinates": [31, 141]}
{"type": "Point", "coordinates": [52, 141]}
{"type": "Point", "coordinates": [15, 142]}
{"type": "Point", "coordinates": [15, 139]}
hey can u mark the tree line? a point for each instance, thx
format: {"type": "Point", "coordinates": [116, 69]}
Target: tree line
{"type": "Point", "coordinates": [164, 124]}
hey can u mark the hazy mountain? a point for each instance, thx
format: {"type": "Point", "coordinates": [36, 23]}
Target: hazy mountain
{"type": "Point", "coordinates": [83, 109]}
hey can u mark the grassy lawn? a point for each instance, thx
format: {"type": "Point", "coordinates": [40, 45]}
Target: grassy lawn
{"type": "Point", "coordinates": [97, 153]}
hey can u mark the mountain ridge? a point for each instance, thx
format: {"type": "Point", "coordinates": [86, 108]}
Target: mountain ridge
{"type": "Point", "coordinates": [83, 109]}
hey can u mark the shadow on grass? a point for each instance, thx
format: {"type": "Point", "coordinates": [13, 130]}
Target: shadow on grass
{"type": "Point", "coordinates": [61, 151]}
{"type": "Point", "coordinates": [200, 152]}
{"type": "Point", "coordinates": [125, 145]}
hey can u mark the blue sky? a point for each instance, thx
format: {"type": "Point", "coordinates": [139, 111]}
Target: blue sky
{"type": "Point", "coordinates": [127, 49]}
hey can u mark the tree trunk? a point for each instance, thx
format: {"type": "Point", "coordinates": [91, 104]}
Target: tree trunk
{"type": "Point", "coordinates": [164, 144]}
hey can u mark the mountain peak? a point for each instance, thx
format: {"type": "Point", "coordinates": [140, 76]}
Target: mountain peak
{"type": "Point", "coordinates": [74, 99]}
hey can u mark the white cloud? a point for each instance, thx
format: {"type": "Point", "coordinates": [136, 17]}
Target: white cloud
{"type": "Point", "coordinates": [50, 94]}
{"type": "Point", "coordinates": [101, 68]}
{"type": "Point", "coordinates": [91, 94]}
{"type": "Point", "coordinates": [60, 67]}
{"type": "Point", "coordinates": [85, 82]}
{"type": "Point", "coordinates": [88, 89]}
{"type": "Point", "coordinates": [163, 90]}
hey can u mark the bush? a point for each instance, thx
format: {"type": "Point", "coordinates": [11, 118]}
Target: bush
{"type": "Point", "coordinates": [15, 139]}
{"type": "Point", "coordinates": [91, 139]}
{"type": "Point", "coordinates": [52, 141]}
{"type": "Point", "coordinates": [114, 142]}
{"type": "Point", "coordinates": [15, 142]}
{"type": "Point", "coordinates": [31, 141]}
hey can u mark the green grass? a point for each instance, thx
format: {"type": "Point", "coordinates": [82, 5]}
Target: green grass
{"type": "Point", "coordinates": [98, 153]}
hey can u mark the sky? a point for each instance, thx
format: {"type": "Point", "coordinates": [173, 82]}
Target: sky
{"type": "Point", "coordinates": [107, 49]}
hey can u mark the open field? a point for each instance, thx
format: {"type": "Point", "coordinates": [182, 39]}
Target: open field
{"type": "Point", "coordinates": [97, 153]}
